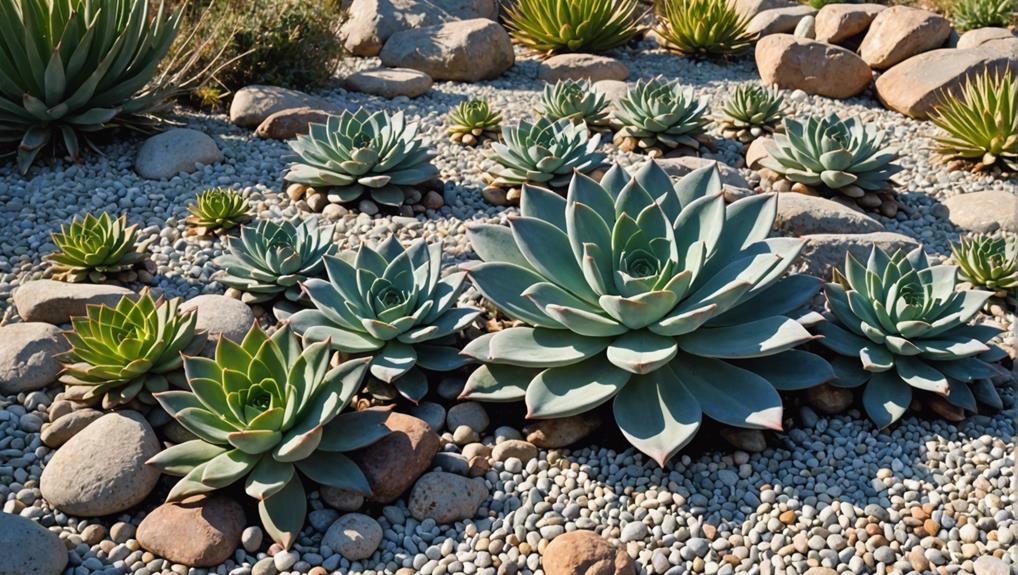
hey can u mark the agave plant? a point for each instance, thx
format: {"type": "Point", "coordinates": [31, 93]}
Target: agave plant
{"type": "Point", "coordinates": [575, 100]}
{"type": "Point", "coordinates": [840, 156]}
{"type": "Point", "coordinates": [359, 153]}
{"type": "Point", "coordinates": [658, 295]}
{"type": "Point", "coordinates": [262, 411]}
{"type": "Point", "coordinates": [544, 152]}
{"type": "Point", "coordinates": [270, 258]}
{"type": "Point", "coordinates": [752, 111]}
{"type": "Point", "coordinates": [708, 28]}
{"type": "Point", "coordinates": [91, 248]}
{"type": "Point", "coordinates": [897, 323]}
{"type": "Point", "coordinates": [70, 68]}
{"type": "Point", "coordinates": [216, 211]}
{"type": "Point", "coordinates": [472, 121]}
{"type": "Point", "coordinates": [127, 352]}
{"type": "Point", "coordinates": [390, 303]}
{"type": "Point", "coordinates": [982, 125]}
{"type": "Point", "coordinates": [972, 14]}
{"type": "Point", "coordinates": [989, 262]}
{"type": "Point", "coordinates": [656, 116]}
{"type": "Point", "coordinates": [556, 26]}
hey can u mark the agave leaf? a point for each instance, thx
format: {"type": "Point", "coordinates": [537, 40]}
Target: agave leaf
{"type": "Point", "coordinates": [642, 351]}
{"type": "Point", "coordinates": [335, 470]}
{"type": "Point", "coordinates": [920, 374]}
{"type": "Point", "coordinates": [504, 284]}
{"type": "Point", "coordinates": [790, 370]}
{"type": "Point", "coordinates": [729, 394]}
{"type": "Point", "coordinates": [540, 347]}
{"type": "Point", "coordinates": [959, 394]}
{"type": "Point", "coordinates": [573, 389]}
{"type": "Point", "coordinates": [755, 339]}
{"type": "Point", "coordinates": [885, 398]}
{"type": "Point", "coordinates": [498, 383]}
{"type": "Point", "coordinates": [355, 430]}
{"type": "Point", "coordinates": [180, 459]}
{"type": "Point", "coordinates": [283, 513]}
{"type": "Point", "coordinates": [268, 478]}
{"type": "Point", "coordinates": [227, 468]}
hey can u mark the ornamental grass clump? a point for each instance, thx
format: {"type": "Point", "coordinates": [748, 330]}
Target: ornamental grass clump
{"type": "Point", "coordinates": [472, 122]}
{"type": "Point", "coordinates": [707, 28]}
{"type": "Point", "coordinates": [557, 26]}
{"type": "Point", "coordinates": [751, 112]}
{"type": "Point", "coordinates": [217, 211]}
{"type": "Point", "coordinates": [269, 412]}
{"type": "Point", "coordinates": [577, 101]}
{"type": "Point", "coordinates": [655, 117]}
{"type": "Point", "coordinates": [989, 262]}
{"type": "Point", "coordinates": [390, 303]}
{"type": "Point", "coordinates": [899, 325]}
{"type": "Point", "coordinates": [95, 249]}
{"type": "Point", "coordinates": [653, 294]}
{"type": "Point", "coordinates": [981, 124]}
{"type": "Point", "coordinates": [121, 355]}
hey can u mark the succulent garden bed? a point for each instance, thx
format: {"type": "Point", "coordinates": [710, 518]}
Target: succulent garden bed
{"type": "Point", "coordinates": [508, 297]}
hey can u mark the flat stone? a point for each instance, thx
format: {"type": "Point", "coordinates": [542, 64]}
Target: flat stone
{"type": "Point", "coordinates": [28, 356]}
{"type": "Point", "coordinates": [60, 431]}
{"type": "Point", "coordinates": [101, 470]}
{"type": "Point", "coordinates": [29, 548]}
{"type": "Point", "coordinates": [371, 22]}
{"type": "Point", "coordinates": [813, 67]}
{"type": "Point", "coordinates": [585, 553]}
{"type": "Point", "coordinates": [779, 20]}
{"type": "Point", "coordinates": [219, 315]}
{"type": "Point", "coordinates": [986, 211]}
{"type": "Point", "coordinates": [354, 536]}
{"type": "Point", "coordinates": [199, 531]}
{"type": "Point", "coordinates": [252, 104]}
{"type": "Point", "coordinates": [980, 36]}
{"type": "Point", "coordinates": [750, 8]}
{"type": "Point", "coordinates": [581, 67]}
{"type": "Point", "coordinates": [446, 497]}
{"type": "Point", "coordinates": [519, 449]}
{"type": "Point", "coordinates": [55, 302]}
{"type": "Point", "coordinates": [800, 214]}
{"type": "Point", "coordinates": [286, 124]}
{"type": "Point", "coordinates": [613, 90]}
{"type": "Point", "coordinates": [389, 82]}
{"type": "Point", "coordinates": [393, 463]}
{"type": "Point", "coordinates": [901, 32]}
{"type": "Point", "coordinates": [466, 51]}
{"type": "Point", "coordinates": [175, 151]}
{"type": "Point", "coordinates": [341, 499]}
{"type": "Point", "coordinates": [824, 252]}
{"type": "Point", "coordinates": [561, 432]}
{"type": "Point", "coordinates": [838, 22]}
{"type": "Point", "coordinates": [683, 165]}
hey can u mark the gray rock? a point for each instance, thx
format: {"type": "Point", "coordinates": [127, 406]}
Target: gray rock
{"type": "Point", "coordinates": [431, 413]}
{"type": "Point", "coordinates": [219, 315]}
{"type": "Point", "coordinates": [371, 22]}
{"type": "Point", "coordinates": [679, 167]}
{"type": "Point", "coordinates": [806, 28]}
{"type": "Point", "coordinates": [990, 565]}
{"type": "Point", "coordinates": [980, 36]}
{"type": "Point", "coordinates": [354, 536]}
{"type": "Point", "coordinates": [468, 413]}
{"type": "Point", "coordinates": [389, 82]}
{"type": "Point", "coordinates": [60, 431]}
{"type": "Point", "coordinates": [102, 470]}
{"type": "Point", "coordinates": [986, 211]}
{"type": "Point", "coordinates": [836, 23]}
{"type": "Point", "coordinates": [55, 302]}
{"type": "Point", "coordinates": [467, 51]}
{"type": "Point", "coordinates": [341, 499]}
{"type": "Point", "coordinates": [823, 252]}
{"type": "Point", "coordinates": [251, 538]}
{"type": "Point", "coordinates": [779, 20]}
{"type": "Point", "coordinates": [901, 32]}
{"type": "Point", "coordinates": [445, 497]}
{"type": "Point", "coordinates": [251, 105]}
{"type": "Point", "coordinates": [29, 548]}
{"type": "Point", "coordinates": [28, 356]}
{"type": "Point", "coordinates": [613, 90]}
{"type": "Point", "coordinates": [750, 8]}
{"type": "Point", "coordinates": [175, 151]}
{"type": "Point", "coordinates": [581, 67]}
{"type": "Point", "coordinates": [800, 214]}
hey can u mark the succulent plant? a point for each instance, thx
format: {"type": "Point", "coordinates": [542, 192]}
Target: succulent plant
{"type": "Point", "coordinates": [897, 323]}
{"type": "Point", "coordinates": [216, 211]}
{"type": "Point", "coordinates": [751, 111]}
{"type": "Point", "coordinates": [262, 411]}
{"type": "Point", "coordinates": [92, 248]}
{"type": "Point", "coordinates": [575, 100]}
{"type": "Point", "coordinates": [73, 68]}
{"type": "Point", "coordinates": [358, 153]}
{"type": "Point", "coordinates": [658, 295]}
{"type": "Point", "coordinates": [270, 258]}
{"type": "Point", "coordinates": [972, 14]}
{"type": "Point", "coordinates": [556, 26]}
{"type": "Point", "coordinates": [545, 152]}
{"type": "Point", "coordinates": [656, 116]}
{"type": "Point", "coordinates": [708, 28]}
{"type": "Point", "coordinates": [472, 121]}
{"type": "Point", "coordinates": [838, 156]}
{"type": "Point", "coordinates": [127, 352]}
{"type": "Point", "coordinates": [391, 304]}
{"type": "Point", "coordinates": [989, 262]}
{"type": "Point", "coordinates": [982, 124]}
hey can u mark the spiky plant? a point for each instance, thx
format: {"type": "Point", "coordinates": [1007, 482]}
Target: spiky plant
{"type": "Point", "coordinates": [92, 248]}
{"type": "Point", "coordinates": [389, 303]}
{"type": "Point", "coordinates": [989, 262]}
{"type": "Point", "coordinates": [361, 153]}
{"type": "Point", "coordinates": [972, 14]}
{"type": "Point", "coordinates": [216, 211]}
{"type": "Point", "coordinates": [544, 152]}
{"type": "Point", "coordinates": [472, 122]}
{"type": "Point", "coordinates": [656, 116]}
{"type": "Point", "coordinates": [268, 412]}
{"type": "Point", "coordinates": [556, 26]}
{"type": "Point", "coordinates": [70, 68]}
{"type": "Point", "coordinates": [709, 28]}
{"type": "Point", "coordinates": [751, 111]}
{"type": "Point", "coordinates": [270, 258]}
{"type": "Point", "coordinates": [834, 155]}
{"type": "Point", "coordinates": [897, 323]}
{"type": "Point", "coordinates": [128, 352]}
{"type": "Point", "coordinates": [981, 124]}
{"type": "Point", "coordinates": [575, 100]}
{"type": "Point", "coordinates": [655, 294]}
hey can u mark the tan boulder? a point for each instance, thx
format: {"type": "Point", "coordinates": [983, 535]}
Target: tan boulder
{"type": "Point", "coordinates": [585, 553]}
{"type": "Point", "coordinates": [750, 8]}
{"type": "Point", "coordinates": [393, 463]}
{"type": "Point", "coordinates": [980, 36]}
{"type": "Point", "coordinates": [779, 20]}
{"type": "Point", "coordinates": [200, 531]}
{"type": "Point", "coordinates": [839, 22]}
{"type": "Point", "coordinates": [371, 22]}
{"type": "Point", "coordinates": [901, 32]}
{"type": "Point", "coordinates": [814, 67]}
{"type": "Point", "coordinates": [466, 51]}
{"type": "Point", "coordinates": [285, 124]}
{"type": "Point", "coordinates": [582, 67]}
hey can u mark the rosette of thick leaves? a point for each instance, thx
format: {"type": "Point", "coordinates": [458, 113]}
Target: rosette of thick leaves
{"type": "Point", "coordinates": [391, 303]}
{"type": "Point", "coordinates": [545, 152]}
{"type": "Point", "coordinates": [90, 248]}
{"type": "Point", "coordinates": [262, 411]}
{"type": "Point", "coordinates": [653, 294]}
{"type": "Point", "coordinates": [897, 324]}
{"type": "Point", "coordinates": [657, 115]}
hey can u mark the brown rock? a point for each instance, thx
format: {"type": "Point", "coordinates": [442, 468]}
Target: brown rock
{"type": "Point", "coordinates": [986, 211]}
{"type": "Point", "coordinates": [562, 432]}
{"type": "Point", "coordinates": [389, 82]}
{"type": "Point", "coordinates": [779, 20]}
{"type": "Point", "coordinates": [199, 531]}
{"type": "Point", "coordinates": [581, 67]}
{"type": "Point", "coordinates": [980, 36]}
{"type": "Point", "coordinates": [839, 22]}
{"type": "Point", "coordinates": [829, 399]}
{"type": "Point", "coordinates": [901, 32]}
{"type": "Point", "coordinates": [799, 214]}
{"type": "Point", "coordinates": [585, 553]}
{"type": "Point", "coordinates": [750, 8]}
{"type": "Point", "coordinates": [393, 463]}
{"type": "Point", "coordinates": [467, 50]}
{"type": "Point", "coordinates": [285, 124]}
{"type": "Point", "coordinates": [756, 151]}
{"type": "Point", "coordinates": [58, 432]}
{"type": "Point", "coordinates": [749, 440]}
{"type": "Point", "coordinates": [814, 67]}
{"type": "Point", "coordinates": [252, 104]}
{"type": "Point", "coordinates": [55, 302]}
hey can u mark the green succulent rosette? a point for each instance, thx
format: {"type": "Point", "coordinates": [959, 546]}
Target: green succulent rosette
{"type": "Point", "coordinates": [92, 248]}
{"type": "Point", "coordinates": [473, 121]}
{"type": "Point", "coordinates": [217, 211]}
{"type": "Point", "coordinates": [545, 152]}
{"type": "Point", "coordinates": [575, 100]}
{"type": "Point", "coordinates": [987, 261]}
{"type": "Point", "coordinates": [656, 116]}
{"type": "Point", "coordinates": [980, 123]}
{"type": "Point", "coordinates": [706, 28]}
{"type": "Point", "coordinates": [751, 112]}
{"type": "Point", "coordinates": [557, 26]}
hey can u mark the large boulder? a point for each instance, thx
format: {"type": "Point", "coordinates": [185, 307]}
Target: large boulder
{"type": "Point", "coordinates": [199, 531]}
{"type": "Point", "coordinates": [218, 315]}
{"type": "Point", "coordinates": [800, 214]}
{"type": "Point", "coordinates": [825, 252]}
{"type": "Point", "coordinates": [175, 151]}
{"type": "Point", "coordinates": [901, 32]}
{"type": "Point", "coordinates": [55, 302]}
{"type": "Point", "coordinates": [371, 22]}
{"type": "Point", "coordinates": [393, 463]}
{"type": "Point", "coordinates": [252, 104]}
{"type": "Point", "coordinates": [586, 553]}
{"type": "Point", "coordinates": [838, 22]}
{"type": "Point", "coordinates": [101, 470]}
{"type": "Point", "coordinates": [980, 36]}
{"type": "Point", "coordinates": [28, 356]}
{"type": "Point", "coordinates": [986, 211]}
{"type": "Point", "coordinates": [446, 497]}
{"type": "Point", "coordinates": [389, 82]}
{"type": "Point", "coordinates": [466, 51]}
{"type": "Point", "coordinates": [916, 85]}
{"type": "Point", "coordinates": [29, 548]}
{"type": "Point", "coordinates": [813, 67]}
{"type": "Point", "coordinates": [581, 67]}
{"type": "Point", "coordinates": [779, 20]}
